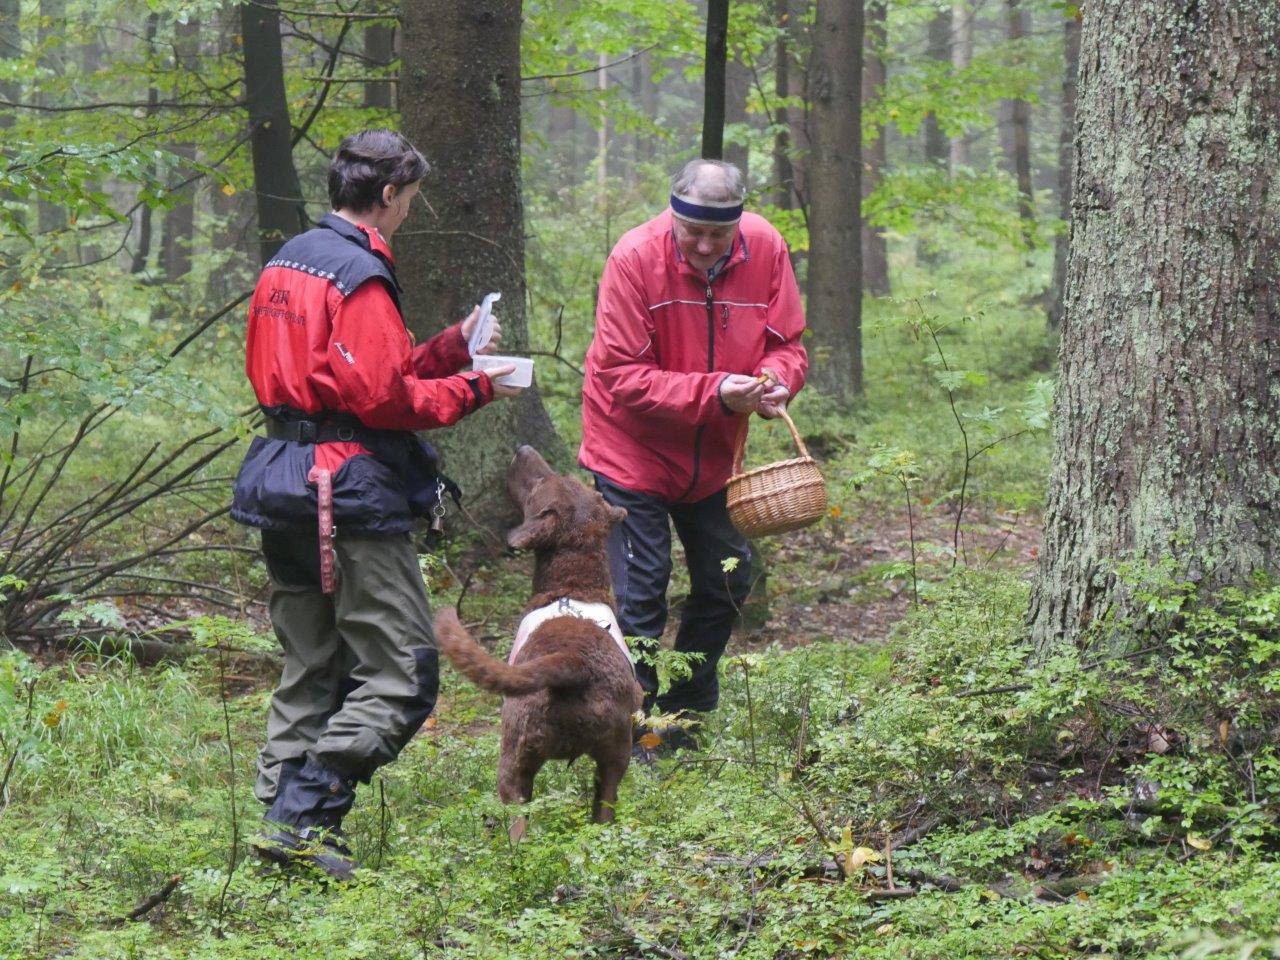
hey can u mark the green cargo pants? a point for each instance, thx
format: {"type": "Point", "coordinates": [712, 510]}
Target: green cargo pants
{"type": "Point", "coordinates": [360, 666]}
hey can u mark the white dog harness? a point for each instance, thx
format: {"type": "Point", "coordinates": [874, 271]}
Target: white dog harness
{"type": "Point", "coordinates": [601, 614]}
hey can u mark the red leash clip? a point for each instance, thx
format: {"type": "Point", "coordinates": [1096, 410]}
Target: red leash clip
{"type": "Point", "coordinates": [324, 502]}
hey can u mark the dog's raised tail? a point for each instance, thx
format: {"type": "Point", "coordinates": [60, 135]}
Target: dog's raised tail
{"type": "Point", "coordinates": [489, 673]}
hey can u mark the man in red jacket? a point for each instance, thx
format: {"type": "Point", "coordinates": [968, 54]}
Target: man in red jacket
{"type": "Point", "coordinates": [698, 326]}
{"type": "Point", "coordinates": [343, 389]}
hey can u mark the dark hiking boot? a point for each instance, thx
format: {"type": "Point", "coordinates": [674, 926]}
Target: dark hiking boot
{"type": "Point", "coordinates": [305, 821]}
{"type": "Point", "coordinates": [314, 846]}
{"type": "Point", "coordinates": [678, 738]}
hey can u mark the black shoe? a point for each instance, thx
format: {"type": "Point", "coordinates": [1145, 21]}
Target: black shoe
{"type": "Point", "coordinates": [315, 846]}
{"type": "Point", "coordinates": [678, 738]}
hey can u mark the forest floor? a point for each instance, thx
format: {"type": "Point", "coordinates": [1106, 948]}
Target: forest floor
{"type": "Point", "coordinates": [890, 773]}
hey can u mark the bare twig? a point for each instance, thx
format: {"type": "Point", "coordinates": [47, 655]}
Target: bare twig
{"type": "Point", "coordinates": [586, 70]}
{"type": "Point", "coordinates": [206, 324]}
{"type": "Point", "coordinates": [233, 850]}
{"type": "Point", "coordinates": [17, 747]}
{"type": "Point", "coordinates": [17, 432]}
{"type": "Point", "coordinates": [327, 14]}
{"type": "Point", "coordinates": [325, 88]}
{"type": "Point", "coordinates": [751, 713]}
{"type": "Point", "coordinates": [157, 898]}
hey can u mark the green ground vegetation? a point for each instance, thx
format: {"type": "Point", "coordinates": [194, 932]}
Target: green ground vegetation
{"type": "Point", "coordinates": [1120, 809]}
{"type": "Point", "coordinates": [1075, 807]}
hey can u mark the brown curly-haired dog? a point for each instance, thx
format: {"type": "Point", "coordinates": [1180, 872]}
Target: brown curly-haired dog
{"type": "Point", "coordinates": [569, 689]}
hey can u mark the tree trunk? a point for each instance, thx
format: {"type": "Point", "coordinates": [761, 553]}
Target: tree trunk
{"type": "Point", "coordinates": [737, 86]}
{"type": "Point", "coordinates": [281, 211]}
{"type": "Point", "coordinates": [460, 103]}
{"type": "Point", "coordinates": [936, 149]}
{"type": "Point", "coordinates": [53, 15]}
{"type": "Point", "coordinates": [1020, 131]}
{"type": "Point", "coordinates": [714, 79]}
{"type": "Point", "coordinates": [1066, 156]}
{"type": "Point", "coordinates": [11, 90]}
{"type": "Point", "coordinates": [961, 57]}
{"type": "Point", "coordinates": [379, 52]}
{"type": "Point", "coordinates": [1167, 419]}
{"type": "Point", "coordinates": [142, 252]}
{"type": "Point", "coordinates": [562, 127]}
{"type": "Point", "coordinates": [875, 251]}
{"type": "Point", "coordinates": [179, 221]}
{"type": "Point", "coordinates": [602, 132]}
{"type": "Point", "coordinates": [648, 105]}
{"type": "Point", "coordinates": [835, 162]}
{"type": "Point", "coordinates": [783, 174]}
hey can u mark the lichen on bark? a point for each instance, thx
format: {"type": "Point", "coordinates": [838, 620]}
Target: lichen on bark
{"type": "Point", "coordinates": [1167, 418]}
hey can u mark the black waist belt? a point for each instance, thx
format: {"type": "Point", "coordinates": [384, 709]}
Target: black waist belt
{"type": "Point", "coordinates": [311, 431]}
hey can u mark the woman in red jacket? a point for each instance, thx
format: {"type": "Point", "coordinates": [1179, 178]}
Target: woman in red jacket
{"type": "Point", "coordinates": [343, 389]}
{"type": "Point", "coordinates": [698, 326]}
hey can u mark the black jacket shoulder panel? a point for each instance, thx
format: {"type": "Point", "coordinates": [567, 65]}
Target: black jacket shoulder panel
{"type": "Point", "coordinates": [337, 251]}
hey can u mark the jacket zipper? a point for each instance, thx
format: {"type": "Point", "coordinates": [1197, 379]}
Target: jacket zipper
{"type": "Point", "coordinates": [711, 365]}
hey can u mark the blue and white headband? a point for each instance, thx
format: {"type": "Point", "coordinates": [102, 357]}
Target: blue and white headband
{"type": "Point", "coordinates": [710, 212]}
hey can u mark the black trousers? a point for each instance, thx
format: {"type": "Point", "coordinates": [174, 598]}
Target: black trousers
{"type": "Point", "coordinates": [640, 566]}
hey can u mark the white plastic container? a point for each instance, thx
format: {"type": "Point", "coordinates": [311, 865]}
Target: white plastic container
{"type": "Point", "coordinates": [522, 376]}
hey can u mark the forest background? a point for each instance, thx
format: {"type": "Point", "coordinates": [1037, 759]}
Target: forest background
{"type": "Point", "coordinates": [914, 757]}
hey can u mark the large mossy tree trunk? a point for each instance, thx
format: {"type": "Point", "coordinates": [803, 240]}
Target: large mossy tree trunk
{"type": "Point", "coordinates": [1168, 414]}
{"type": "Point", "coordinates": [460, 105]}
{"type": "Point", "coordinates": [835, 219]}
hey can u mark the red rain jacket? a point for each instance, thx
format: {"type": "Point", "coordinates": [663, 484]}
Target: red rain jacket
{"type": "Point", "coordinates": [326, 343]}
{"type": "Point", "coordinates": [315, 347]}
{"type": "Point", "coordinates": [652, 419]}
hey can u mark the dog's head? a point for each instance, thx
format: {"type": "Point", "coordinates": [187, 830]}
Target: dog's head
{"type": "Point", "coordinates": [557, 510]}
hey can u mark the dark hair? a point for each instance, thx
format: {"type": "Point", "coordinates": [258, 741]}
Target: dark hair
{"type": "Point", "coordinates": [366, 162]}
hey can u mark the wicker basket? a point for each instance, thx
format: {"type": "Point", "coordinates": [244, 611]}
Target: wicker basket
{"type": "Point", "coordinates": [778, 497]}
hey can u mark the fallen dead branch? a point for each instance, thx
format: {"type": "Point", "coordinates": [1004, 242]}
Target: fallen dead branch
{"type": "Point", "coordinates": [153, 901]}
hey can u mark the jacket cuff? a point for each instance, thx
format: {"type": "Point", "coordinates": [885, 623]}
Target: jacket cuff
{"type": "Point", "coordinates": [481, 388]}
{"type": "Point", "coordinates": [720, 397]}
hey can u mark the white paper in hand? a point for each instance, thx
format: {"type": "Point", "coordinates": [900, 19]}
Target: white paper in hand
{"type": "Point", "coordinates": [483, 330]}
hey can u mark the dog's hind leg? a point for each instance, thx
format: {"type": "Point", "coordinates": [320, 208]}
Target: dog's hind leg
{"type": "Point", "coordinates": [515, 785]}
{"type": "Point", "coordinates": [610, 769]}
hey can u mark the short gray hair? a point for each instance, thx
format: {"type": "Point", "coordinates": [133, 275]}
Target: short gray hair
{"type": "Point", "coordinates": [712, 181]}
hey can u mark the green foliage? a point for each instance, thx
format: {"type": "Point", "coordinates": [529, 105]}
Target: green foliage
{"type": "Point", "coordinates": [841, 748]}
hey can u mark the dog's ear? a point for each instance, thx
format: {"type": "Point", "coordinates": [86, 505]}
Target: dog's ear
{"type": "Point", "coordinates": [533, 533]}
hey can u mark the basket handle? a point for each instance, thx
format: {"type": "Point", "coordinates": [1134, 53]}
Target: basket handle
{"type": "Point", "coordinates": [740, 451]}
